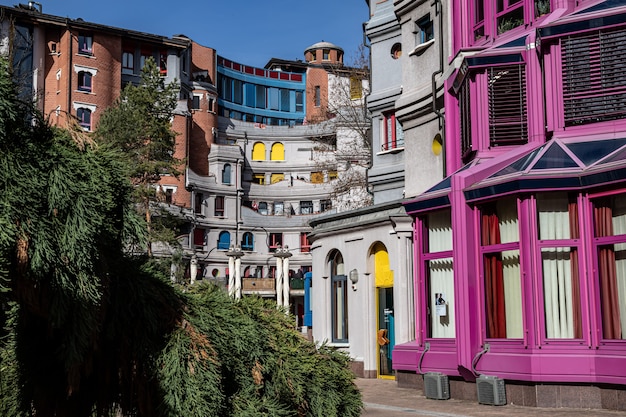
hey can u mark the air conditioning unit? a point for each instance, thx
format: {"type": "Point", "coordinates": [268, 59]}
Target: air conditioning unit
{"type": "Point", "coordinates": [436, 386]}
{"type": "Point", "coordinates": [490, 390]}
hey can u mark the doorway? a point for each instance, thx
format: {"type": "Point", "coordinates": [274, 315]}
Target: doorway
{"type": "Point", "coordinates": [386, 331]}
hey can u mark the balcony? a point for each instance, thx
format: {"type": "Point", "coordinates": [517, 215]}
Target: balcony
{"type": "Point", "coordinates": [260, 286]}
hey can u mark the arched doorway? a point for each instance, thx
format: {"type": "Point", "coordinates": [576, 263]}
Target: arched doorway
{"type": "Point", "coordinates": [385, 319]}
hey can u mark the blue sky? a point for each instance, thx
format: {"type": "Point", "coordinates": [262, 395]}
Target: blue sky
{"type": "Point", "coordinates": [246, 31]}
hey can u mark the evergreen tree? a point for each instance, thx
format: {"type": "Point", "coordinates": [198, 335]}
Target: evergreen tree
{"type": "Point", "coordinates": [139, 125]}
{"type": "Point", "coordinates": [89, 330]}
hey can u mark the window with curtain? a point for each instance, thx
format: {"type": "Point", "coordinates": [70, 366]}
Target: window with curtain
{"type": "Point", "coordinates": [557, 215]}
{"type": "Point", "coordinates": [339, 298]}
{"type": "Point", "coordinates": [439, 274]}
{"type": "Point", "coordinates": [501, 269]}
{"type": "Point", "coordinates": [609, 218]}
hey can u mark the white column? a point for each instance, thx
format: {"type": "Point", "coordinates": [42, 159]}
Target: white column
{"type": "Point", "coordinates": [279, 281]}
{"type": "Point", "coordinates": [231, 276]}
{"type": "Point", "coordinates": [286, 283]}
{"type": "Point", "coordinates": [237, 278]}
{"type": "Point", "coordinates": [193, 266]}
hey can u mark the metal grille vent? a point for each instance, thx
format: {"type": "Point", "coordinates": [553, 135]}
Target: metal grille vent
{"type": "Point", "coordinates": [436, 386]}
{"type": "Point", "coordinates": [490, 390]}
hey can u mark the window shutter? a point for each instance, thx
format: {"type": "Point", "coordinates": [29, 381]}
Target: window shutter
{"type": "Point", "coordinates": [507, 105]}
{"type": "Point", "coordinates": [594, 77]}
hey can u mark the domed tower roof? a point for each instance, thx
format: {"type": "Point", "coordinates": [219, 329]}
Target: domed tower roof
{"type": "Point", "coordinates": [323, 45]}
{"type": "Point", "coordinates": [330, 53]}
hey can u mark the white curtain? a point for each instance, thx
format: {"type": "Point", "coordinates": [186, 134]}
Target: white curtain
{"type": "Point", "coordinates": [557, 268]}
{"type": "Point", "coordinates": [512, 294]}
{"type": "Point", "coordinates": [439, 231]}
{"type": "Point", "coordinates": [509, 232]}
{"type": "Point", "coordinates": [619, 228]}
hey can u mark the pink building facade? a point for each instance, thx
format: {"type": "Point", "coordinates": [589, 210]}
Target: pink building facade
{"type": "Point", "coordinates": [520, 253]}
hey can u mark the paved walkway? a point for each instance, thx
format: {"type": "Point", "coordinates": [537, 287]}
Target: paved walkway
{"type": "Point", "coordinates": [383, 398]}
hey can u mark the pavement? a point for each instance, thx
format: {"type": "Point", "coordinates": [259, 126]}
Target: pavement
{"type": "Point", "coordinates": [383, 398]}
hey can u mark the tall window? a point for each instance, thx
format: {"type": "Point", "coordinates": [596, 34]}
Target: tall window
{"type": "Point", "coordinates": [198, 201]}
{"type": "Point", "coordinates": [247, 241]}
{"type": "Point", "coordinates": [279, 208]}
{"type": "Point", "coordinates": [305, 245]}
{"type": "Point", "coordinates": [339, 298]}
{"type": "Point", "coordinates": [299, 101]}
{"type": "Point", "coordinates": [393, 136]}
{"type": "Point", "coordinates": [318, 97]}
{"type": "Point", "coordinates": [558, 243]}
{"type": "Point", "coordinates": [223, 242]}
{"type": "Point", "coordinates": [594, 77]}
{"type": "Point", "coordinates": [258, 151]}
{"type": "Point", "coordinates": [501, 269]}
{"type": "Point", "coordinates": [219, 206]}
{"type": "Point", "coordinates": [226, 174]}
{"type": "Point", "coordinates": [84, 118]}
{"type": "Point", "coordinates": [276, 240]}
{"type": "Point", "coordinates": [84, 81]}
{"type": "Point", "coordinates": [440, 276]}
{"type": "Point", "coordinates": [85, 44]}
{"type": "Point", "coordinates": [507, 105]}
{"type": "Point", "coordinates": [128, 62]}
{"type": "Point", "coordinates": [609, 215]}
{"type": "Point", "coordinates": [198, 236]}
{"type": "Point", "coordinates": [326, 54]}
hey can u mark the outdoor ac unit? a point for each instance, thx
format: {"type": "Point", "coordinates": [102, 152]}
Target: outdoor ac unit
{"type": "Point", "coordinates": [436, 386]}
{"type": "Point", "coordinates": [490, 390]}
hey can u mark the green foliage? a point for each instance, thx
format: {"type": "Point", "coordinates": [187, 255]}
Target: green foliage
{"type": "Point", "coordinates": [89, 330]}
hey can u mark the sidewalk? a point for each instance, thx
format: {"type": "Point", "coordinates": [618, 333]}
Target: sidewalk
{"type": "Point", "coordinates": [383, 398]}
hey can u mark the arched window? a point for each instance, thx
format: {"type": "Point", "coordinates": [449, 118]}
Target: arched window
{"type": "Point", "coordinates": [226, 174]}
{"type": "Point", "coordinates": [258, 151]}
{"type": "Point", "coordinates": [224, 241]}
{"type": "Point", "coordinates": [84, 118]}
{"type": "Point", "coordinates": [247, 242]}
{"type": "Point", "coordinates": [84, 81]}
{"type": "Point", "coordinates": [278, 152]}
{"type": "Point", "coordinates": [339, 297]}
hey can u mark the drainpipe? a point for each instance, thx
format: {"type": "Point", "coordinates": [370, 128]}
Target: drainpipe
{"type": "Point", "coordinates": [442, 122]}
{"type": "Point", "coordinates": [69, 72]}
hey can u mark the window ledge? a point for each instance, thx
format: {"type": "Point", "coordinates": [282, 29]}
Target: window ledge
{"type": "Point", "coordinates": [421, 47]}
{"type": "Point", "coordinates": [393, 150]}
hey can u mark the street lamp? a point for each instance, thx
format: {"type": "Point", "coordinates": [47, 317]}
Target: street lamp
{"type": "Point", "coordinates": [234, 271]}
{"type": "Point", "coordinates": [282, 256]}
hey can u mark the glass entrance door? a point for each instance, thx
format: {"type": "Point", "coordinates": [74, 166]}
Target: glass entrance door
{"type": "Point", "coordinates": [386, 331]}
